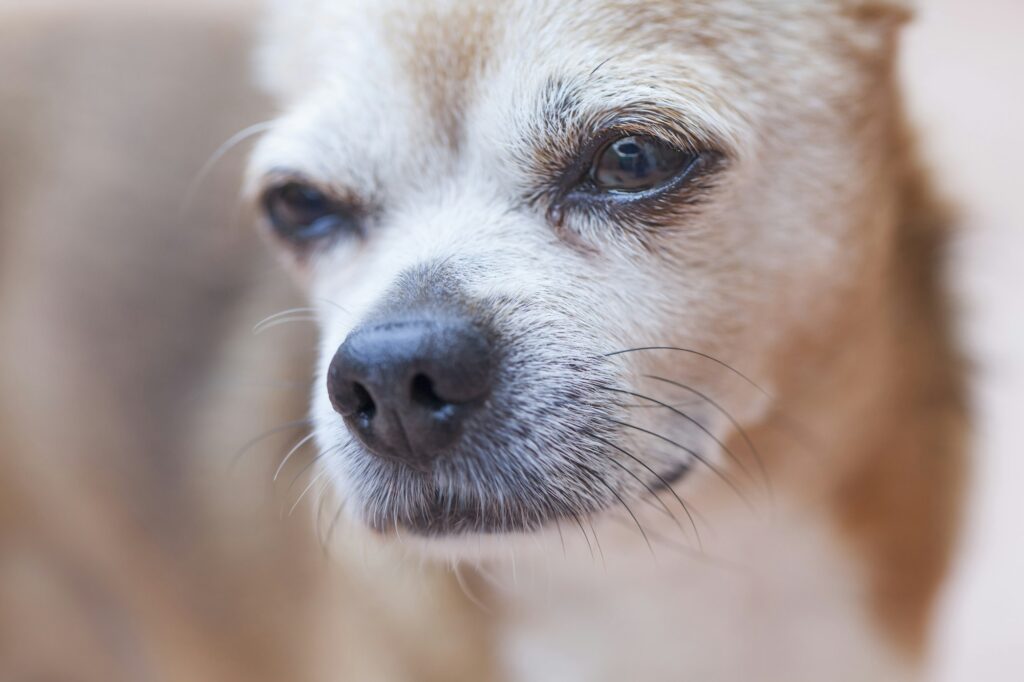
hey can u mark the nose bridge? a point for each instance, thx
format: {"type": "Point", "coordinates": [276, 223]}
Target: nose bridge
{"type": "Point", "coordinates": [430, 288]}
{"type": "Point", "coordinates": [449, 253]}
{"type": "Point", "coordinates": [464, 219]}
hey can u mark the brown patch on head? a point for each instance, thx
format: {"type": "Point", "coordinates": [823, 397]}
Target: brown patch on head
{"type": "Point", "coordinates": [446, 49]}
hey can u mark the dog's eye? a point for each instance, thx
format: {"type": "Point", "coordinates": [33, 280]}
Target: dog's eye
{"type": "Point", "coordinates": [637, 163]}
{"type": "Point", "coordinates": [301, 213]}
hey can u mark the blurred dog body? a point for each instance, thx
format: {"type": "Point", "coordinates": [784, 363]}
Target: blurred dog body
{"type": "Point", "coordinates": [137, 542]}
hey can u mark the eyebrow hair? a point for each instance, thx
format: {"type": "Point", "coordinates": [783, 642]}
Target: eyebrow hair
{"type": "Point", "coordinates": [569, 118]}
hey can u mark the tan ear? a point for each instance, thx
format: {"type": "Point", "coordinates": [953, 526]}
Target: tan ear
{"type": "Point", "coordinates": [876, 25]}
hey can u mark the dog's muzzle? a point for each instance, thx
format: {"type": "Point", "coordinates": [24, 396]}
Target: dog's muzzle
{"type": "Point", "coordinates": [469, 414]}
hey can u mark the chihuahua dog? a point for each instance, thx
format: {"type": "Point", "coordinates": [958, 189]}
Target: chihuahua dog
{"type": "Point", "coordinates": [632, 312]}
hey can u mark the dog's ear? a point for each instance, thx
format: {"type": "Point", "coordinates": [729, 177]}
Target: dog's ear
{"type": "Point", "coordinates": [876, 25]}
{"type": "Point", "coordinates": [881, 13]}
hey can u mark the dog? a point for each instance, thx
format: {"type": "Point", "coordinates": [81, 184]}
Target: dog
{"type": "Point", "coordinates": [670, 277]}
{"type": "Point", "coordinates": [633, 313]}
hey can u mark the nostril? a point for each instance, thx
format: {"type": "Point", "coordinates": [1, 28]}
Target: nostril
{"type": "Point", "coordinates": [365, 407]}
{"type": "Point", "coordinates": [422, 393]}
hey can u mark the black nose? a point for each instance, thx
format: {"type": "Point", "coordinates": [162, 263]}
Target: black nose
{"type": "Point", "coordinates": [406, 388]}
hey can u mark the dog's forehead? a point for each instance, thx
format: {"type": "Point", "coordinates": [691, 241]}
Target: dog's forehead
{"type": "Point", "coordinates": [444, 47]}
{"type": "Point", "coordinates": [443, 53]}
{"type": "Point", "coordinates": [392, 84]}
{"type": "Point", "coordinates": [422, 65]}
{"type": "Point", "coordinates": [441, 50]}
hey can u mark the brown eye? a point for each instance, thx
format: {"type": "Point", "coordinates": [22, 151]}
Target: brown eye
{"type": "Point", "coordinates": [637, 163]}
{"type": "Point", "coordinates": [300, 212]}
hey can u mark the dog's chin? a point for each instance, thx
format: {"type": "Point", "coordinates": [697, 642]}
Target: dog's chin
{"type": "Point", "coordinates": [446, 510]}
{"type": "Point", "coordinates": [458, 498]}
{"type": "Point", "coordinates": [432, 505]}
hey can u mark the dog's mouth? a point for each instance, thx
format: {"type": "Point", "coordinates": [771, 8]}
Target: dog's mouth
{"type": "Point", "coordinates": [560, 452]}
{"type": "Point", "coordinates": [518, 467]}
{"type": "Point", "coordinates": [457, 498]}
{"type": "Point", "coordinates": [451, 502]}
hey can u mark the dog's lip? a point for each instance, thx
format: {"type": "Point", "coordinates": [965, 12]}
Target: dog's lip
{"type": "Point", "coordinates": [464, 521]}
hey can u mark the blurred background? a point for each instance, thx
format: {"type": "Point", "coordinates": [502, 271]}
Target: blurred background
{"type": "Point", "coordinates": [142, 533]}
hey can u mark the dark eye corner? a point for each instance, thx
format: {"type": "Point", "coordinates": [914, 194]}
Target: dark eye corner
{"type": "Point", "coordinates": [301, 212]}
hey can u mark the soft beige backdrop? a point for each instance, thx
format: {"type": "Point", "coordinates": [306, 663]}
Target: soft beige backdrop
{"type": "Point", "coordinates": [965, 71]}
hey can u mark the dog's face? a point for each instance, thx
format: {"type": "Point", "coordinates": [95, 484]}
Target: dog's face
{"type": "Point", "coordinates": [509, 213]}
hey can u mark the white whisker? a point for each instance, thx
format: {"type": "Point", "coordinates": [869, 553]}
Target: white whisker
{"type": "Point", "coordinates": [217, 155]}
{"type": "Point", "coordinates": [291, 452]}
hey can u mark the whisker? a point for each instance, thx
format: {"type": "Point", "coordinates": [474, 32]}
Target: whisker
{"type": "Point", "coordinates": [597, 542]}
{"type": "Point", "coordinates": [319, 505]}
{"type": "Point", "coordinates": [636, 406]}
{"type": "Point", "coordinates": [704, 429]}
{"type": "Point", "coordinates": [598, 67]}
{"type": "Point", "coordinates": [263, 436]}
{"type": "Point", "coordinates": [291, 452]}
{"type": "Point", "coordinates": [305, 490]}
{"type": "Point", "coordinates": [287, 320]}
{"type": "Point", "coordinates": [398, 528]}
{"type": "Point", "coordinates": [735, 423]}
{"type": "Point", "coordinates": [700, 354]}
{"type": "Point", "coordinates": [290, 311]}
{"type": "Point", "coordinates": [651, 490]}
{"type": "Point", "coordinates": [331, 528]}
{"type": "Point", "coordinates": [799, 432]}
{"type": "Point", "coordinates": [660, 507]}
{"type": "Point", "coordinates": [216, 156]}
{"type": "Point", "coordinates": [327, 492]}
{"type": "Point", "coordinates": [703, 460]}
{"type": "Point", "coordinates": [618, 497]}
{"type": "Point", "coordinates": [561, 538]}
{"type": "Point", "coordinates": [308, 465]}
{"type": "Point", "coordinates": [456, 569]}
{"type": "Point", "coordinates": [579, 523]}
{"type": "Point", "coordinates": [335, 304]}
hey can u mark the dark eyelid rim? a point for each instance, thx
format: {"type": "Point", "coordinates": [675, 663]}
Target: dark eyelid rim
{"type": "Point", "coordinates": [347, 205]}
{"type": "Point", "coordinates": [696, 164]}
{"type": "Point", "coordinates": [345, 199]}
{"type": "Point", "coordinates": [569, 190]}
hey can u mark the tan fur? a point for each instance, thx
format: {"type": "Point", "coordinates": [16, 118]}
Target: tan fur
{"type": "Point", "coordinates": [443, 68]}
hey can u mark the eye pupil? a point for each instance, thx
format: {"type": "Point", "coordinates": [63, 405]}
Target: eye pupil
{"type": "Point", "coordinates": [627, 147]}
{"type": "Point", "coordinates": [302, 197]}
{"type": "Point", "coordinates": [300, 212]}
{"type": "Point", "coordinates": [300, 204]}
{"type": "Point", "coordinates": [636, 163]}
